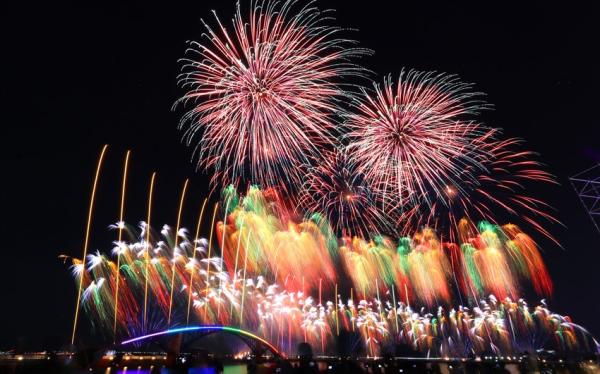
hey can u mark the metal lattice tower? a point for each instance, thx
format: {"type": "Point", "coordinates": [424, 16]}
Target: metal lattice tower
{"type": "Point", "coordinates": [587, 186]}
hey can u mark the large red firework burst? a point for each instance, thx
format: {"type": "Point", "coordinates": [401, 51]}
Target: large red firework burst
{"type": "Point", "coordinates": [417, 137]}
{"type": "Point", "coordinates": [344, 197]}
{"type": "Point", "coordinates": [418, 144]}
{"type": "Point", "coordinates": [265, 95]}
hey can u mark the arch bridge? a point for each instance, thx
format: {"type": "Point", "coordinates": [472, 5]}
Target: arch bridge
{"type": "Point", "coordinates": [256, 344]}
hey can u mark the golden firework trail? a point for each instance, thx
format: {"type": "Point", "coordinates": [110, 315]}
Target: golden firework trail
{"type": "Point", "coordinates": [185, 185]}
{"type": "Point", "coordinates": [147, 249]}
{"type": "Point", "coordinates": [212, 225]}
{"type": "Point", "coordinates": [87, 238]}
{"type": "Point", "coordinates": [121, 225]}
{"type": "Point", "coordinates": [196, 237]}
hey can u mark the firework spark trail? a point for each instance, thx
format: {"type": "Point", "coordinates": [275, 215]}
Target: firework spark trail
{"type": "Point", "coordinates": [265, 95]}
{"type": "Point", "coordinates": [335, 189]}
{"type": "Point", "coordinates": [193, 260]}
{"type": "Point", "coordinates": [498, 191]}
{"type": "Point", "coordinates": [415, 138]}
{"type": "Point", "coordinates": [486, 259]}
{"type": "Point", "coordinates": [286, 249]}
{"type": "Point", "coordinates": [87, 237]}
{"type": "Point", "coordinates": [210, 239]}
{"type": "Point", "coordinates": [146, 246]}
{"type": "Point", "coordinates": [174, 263]}
{"type": "Point", "coordinates": [119, 239]}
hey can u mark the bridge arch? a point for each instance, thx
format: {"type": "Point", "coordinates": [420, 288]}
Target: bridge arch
{"type": "Point", "coordinates": [208, 329]}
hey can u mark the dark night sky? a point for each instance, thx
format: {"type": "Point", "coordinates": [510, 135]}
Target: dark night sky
{"type": "Point", "coordinates": [75, 77]}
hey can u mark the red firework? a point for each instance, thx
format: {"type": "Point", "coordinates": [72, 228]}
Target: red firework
{"type": "Point", "coordinates": [344, 197]}
{"type": "Point", "coordinates": [265, 93]}
{"type": "Point", "coordinates": [497, 194]}
{"type": "Point", "coordinates": [419, 147]}
{"type": "Point", "coordinates": [416, 138]}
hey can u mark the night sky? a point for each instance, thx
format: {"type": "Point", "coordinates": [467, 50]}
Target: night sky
{"type": "Point", "coordinates": [77, 77]}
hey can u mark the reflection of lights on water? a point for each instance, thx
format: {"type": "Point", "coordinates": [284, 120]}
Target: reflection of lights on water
{"type": "Point", "coordinates": [241, 355]}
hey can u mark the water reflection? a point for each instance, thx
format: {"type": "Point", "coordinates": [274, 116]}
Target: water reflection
{"type": "Point", "coordinates": [228, 369]}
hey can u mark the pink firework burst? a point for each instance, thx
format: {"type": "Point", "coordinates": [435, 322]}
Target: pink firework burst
{"type": "Point", "coordinates": [417, 137]}
{"type": "Point", "coordinates": [343, 196]}
{"type": "Point", "coordinates": [265, 93]}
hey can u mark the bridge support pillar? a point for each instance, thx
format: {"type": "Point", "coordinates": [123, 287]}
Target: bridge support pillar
{"type": "Point", "coordinates": [173, 349]}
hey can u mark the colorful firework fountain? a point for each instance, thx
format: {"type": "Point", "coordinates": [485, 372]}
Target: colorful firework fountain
{"type": "Point", "coordinates": [292, 281]}
{"type": "Point", "coordinates": [375, 236]}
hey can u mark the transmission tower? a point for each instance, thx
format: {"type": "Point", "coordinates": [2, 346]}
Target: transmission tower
{"type": "Point", "coordinates": [587, 186]}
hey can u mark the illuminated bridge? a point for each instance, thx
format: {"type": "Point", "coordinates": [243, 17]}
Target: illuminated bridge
{"type": "Point", "coordinates": [257, 344]}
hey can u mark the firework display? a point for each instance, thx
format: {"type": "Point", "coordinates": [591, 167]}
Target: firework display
{"type": "Point", "coordinates": [278, 278]}
{"type": "Point", "coordinates": [500, 191]}
{"type": "Point", "coordinates": [265, 94]}
{"type": "Point", "coordinates": [415, 138]}
{"type": "Point", "coordinates": [335, 188]}
{"type": "Point", "coordinates": [378, 219]}
{"type": "Point", "coordinates": [430, 163]}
